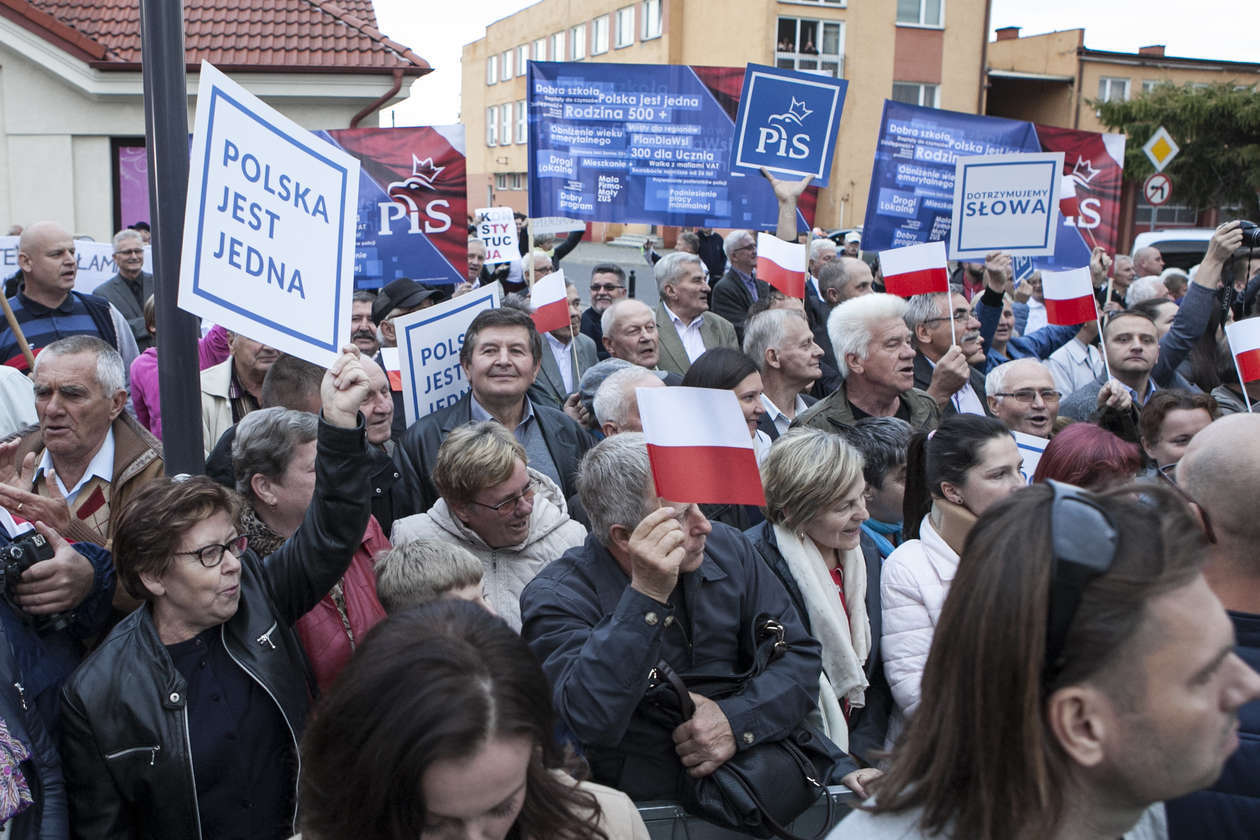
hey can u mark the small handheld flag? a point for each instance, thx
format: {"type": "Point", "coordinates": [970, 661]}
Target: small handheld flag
{"type": "Point", "coordinates": [1069, 296]}
{"type": "Point", "coordinates": [915, 269]}
{"type": "Point", "coordinates": [781, 264]}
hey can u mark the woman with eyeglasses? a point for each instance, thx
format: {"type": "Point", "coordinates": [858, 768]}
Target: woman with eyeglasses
{"type": "Point", "coordinates": [273, 456]}
{"type": "Point", "coordinates": [514, 519]}
{"type": "Point", "coordinates": [953, 475]}
{"type": "Point", "coordinates": [185, 720]}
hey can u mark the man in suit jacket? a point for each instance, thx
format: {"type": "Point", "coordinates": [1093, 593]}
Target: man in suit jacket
{"type": "Point", "coordinates": [131, 286]}
{"type": "Point", "coordinates": [567, 353]}
{"type": "Point", "coordinates": [739, 288]}
{"type": "Point", "coordinates": [500, 358]}
{"type": "Point", "coordinates": [940, 363]}
{"type": "Point", "coordinates": [685, 329]}
{"type": "Point", "coordinates": [821, 252]}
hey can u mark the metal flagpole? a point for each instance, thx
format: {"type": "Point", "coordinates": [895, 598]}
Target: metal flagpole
{"type": "Point", "coordinates": [166, 142]}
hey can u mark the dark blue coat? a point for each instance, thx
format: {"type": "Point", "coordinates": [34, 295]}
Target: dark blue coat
{"type": "Point", "coordinates": [1231, 807]}
{"type": "Point", "coordinates": [598, 639]}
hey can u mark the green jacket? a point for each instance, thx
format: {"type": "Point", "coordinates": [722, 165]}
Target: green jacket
{"type": "Point", "coordinates": [834, 412]}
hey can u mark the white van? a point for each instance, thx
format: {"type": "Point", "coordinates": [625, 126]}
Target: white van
{"type": "Point", "coordinates": [1180, 247]}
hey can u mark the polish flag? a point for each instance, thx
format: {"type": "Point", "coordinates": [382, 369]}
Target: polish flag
{"type": "Point", "coordinates": [1069, 204]}
{"type": "Point", "coordinates": [699, 445]}
{"type": "Point", "coordinates": [1244, 343]}
{"type": "Point", "coordinates": [551, 304]}
{"type": "Point", "coordinates": [1069, 296]}
{"type": "Point", "coordinates": [915, 269]}
{"type": "Point", "coordinates": [781, 264]}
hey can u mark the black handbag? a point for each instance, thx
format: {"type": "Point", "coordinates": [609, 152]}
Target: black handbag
{"type": "Point", "coordinates": [759, 790]}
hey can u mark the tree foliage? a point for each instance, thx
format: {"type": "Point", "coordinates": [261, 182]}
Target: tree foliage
{"type": "Point", "coordinates": [1218, 130]}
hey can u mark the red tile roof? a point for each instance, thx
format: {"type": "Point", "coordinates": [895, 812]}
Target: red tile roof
{"type": "Point", "coordinates": [273, 35]}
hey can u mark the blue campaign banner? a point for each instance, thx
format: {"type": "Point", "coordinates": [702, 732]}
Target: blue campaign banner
{"type": "Point", "coordinates": [787, 122]}
{"type": "Point", "coordinates": [642, 143]}
{"type": "Point", "coordinates": [911, 196]}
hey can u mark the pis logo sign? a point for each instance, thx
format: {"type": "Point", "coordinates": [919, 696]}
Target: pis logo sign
{"type": "Point", "coordinates": [408, 198]}
{"type": "Point", "coordinates": [787, 122]}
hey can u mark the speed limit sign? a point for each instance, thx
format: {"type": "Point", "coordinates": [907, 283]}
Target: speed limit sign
{"type": "Point", "coordinates": [1157, 189]}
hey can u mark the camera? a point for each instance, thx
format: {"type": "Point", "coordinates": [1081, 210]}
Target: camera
{"type": "Point", "coordinates": [1251, 234]}
{"type": "Point", "coordinates": [16, 558]}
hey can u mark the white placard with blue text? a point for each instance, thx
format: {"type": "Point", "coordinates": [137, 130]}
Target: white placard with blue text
{"type": "Point", "coordinates": [430, 340]}
{"type": "Point", "coordinates": [1031, 448]}
{"type": "Point", "coordinates": [269, 225]}
{"type": "Point", "coordinates": [1005, 203]}
{"type": "Point", "coordinates": [96, 261]}
{"type": "Point", "coordinates": [787, 122]}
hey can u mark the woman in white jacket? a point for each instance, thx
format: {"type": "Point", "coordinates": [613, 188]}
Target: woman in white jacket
{"type": "Point", "coordinates": [953, 475]}
{"type": "Point", "coordinates": [513, 518]}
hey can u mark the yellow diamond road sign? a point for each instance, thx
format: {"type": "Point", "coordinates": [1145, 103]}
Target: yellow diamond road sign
{"type": "Point", "coordinates": [1161, 149]}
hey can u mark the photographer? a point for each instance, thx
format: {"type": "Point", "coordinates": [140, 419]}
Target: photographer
{"type": "Point", "coordinates": [47, 612]}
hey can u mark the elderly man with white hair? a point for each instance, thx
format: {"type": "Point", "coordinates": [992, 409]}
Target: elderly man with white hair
{"type": "Point", "coordinates": [616, 402]}
{"type": "Point", "coordinates": [1022, 394]}
{"type": "Point", "coordinates": [876, 359]}
{"type": "Point", "coordinates": [781, 345]}
{"type": "Point", "coordinates": [739, 288]}
{"type": "Point", "coordinates": [1146, 288]}
{"type": "Point", "coordinates": [685, 328]}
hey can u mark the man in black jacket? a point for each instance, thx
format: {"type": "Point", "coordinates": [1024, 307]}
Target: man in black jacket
{"type": "Point", "coordinates": [657, 581]}
{"type": "Point", "coordinates": [739, 288]}
{"type": "Point", "coordinates": [500, 357]}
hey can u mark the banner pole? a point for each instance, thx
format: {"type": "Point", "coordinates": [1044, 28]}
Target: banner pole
{"type": "Point", "coordinates": [529, 255]}
{"type": "Point", "coordinates": [953, 331]}
{"type": "Point", "coordinates": [1102, 343]}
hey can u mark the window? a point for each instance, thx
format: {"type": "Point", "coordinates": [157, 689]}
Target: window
{"type": "Point", "coordinates": [577, 40]}
{"type": "Point", "coordinates": [505, 61]}
{"type": "Point", "coordinates": [1111, 89]}
{"type": "Point", "coordinates": [522, 58]}
{"type": "Point", "coordinates": [914, 93]}
{"type": "Point", "coordinates": [492, 125]}
{"type": "Point", "coordinates": [601, 36]}
{"type": "Point", "coordinates": [557, 47]}
{"type": "Point", "coordinates": [814, 46]}
{"type": "Point", "coordinates": [540, 49]}
{"type": "Point", "coordinates": [921, 12]}
{"type": "Point", "coordinates": [522, 122]}
{"type": "Point", "coordinates": [1149, 85]}
{"type": "Point", "coordinates": [651, 19]}
{"type": "Point", "coordinates": [625, 27]}
{"type": "Point", "coordinates": [505, 124]}
{"type": "Point", "coordinates": [509, 180]}
{"type": "Point", "coordinates": [492, 69]}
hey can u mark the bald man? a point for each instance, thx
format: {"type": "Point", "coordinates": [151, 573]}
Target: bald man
{"type": "Point", "coordinates": [1220, 472]}
{"type": "Point", "coordinates": [46, 305]}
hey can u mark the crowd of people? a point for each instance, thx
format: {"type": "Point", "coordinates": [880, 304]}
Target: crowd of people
{"type": "Point", "coordinates": [491, 624]}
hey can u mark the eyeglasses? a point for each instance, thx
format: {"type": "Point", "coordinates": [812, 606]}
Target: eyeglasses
{"type": "Point", "coordinates": [1168, 473]}
{"type": "Point", "coordinates": [1084, 542]}
{"type": "Point", "coordinates": [130, 252]}
{"type": "Point", "coordinates": [959, 315]}
{"type": "Point", "coordinates": [212, 555]}
{"type": "Point", "coordinates": [1028, 396]}
{"type": "Point", "coordinates": [509, 504]}
{"type": "Point", "coordinates": [606, 287]}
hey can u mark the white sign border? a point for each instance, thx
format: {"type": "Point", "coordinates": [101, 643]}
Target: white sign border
{"type": "Point", "coordinates": [1055, 159]}
{"type": "Point", "coordinates": [213, 85]}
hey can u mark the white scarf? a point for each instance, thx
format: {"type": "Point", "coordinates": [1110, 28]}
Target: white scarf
{"type": "Point", "coordinates": [845, 644]}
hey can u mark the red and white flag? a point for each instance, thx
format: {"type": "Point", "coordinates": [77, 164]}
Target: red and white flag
{"type": "Point", "coordinates": [699, 445]}
{"type": "Point", "coordinates": [781, 264]}
{"type": "Point", "coordinates": [1069, 296]}
{"type": "Point", "coordinates": [550, 303]}
{"type": "Point", "coordinates": [1244, 343]}
{"type": "Point", "coordinates": [1069, 204]}
{"type": "Point", "coordinates": [915, 269]}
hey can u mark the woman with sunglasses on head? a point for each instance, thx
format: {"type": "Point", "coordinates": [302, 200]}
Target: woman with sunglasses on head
{"type": "Point", "coordinates": [512, 518]}
{"type": "Point", "coordinates": [185, 720]}
{"type": "Point", "coordinates": [443, 728]}
{"type": "Point", "coordinates": [953, 475]}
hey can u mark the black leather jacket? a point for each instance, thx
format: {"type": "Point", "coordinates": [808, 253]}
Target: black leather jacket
{"type": "Point", "coordinates": [125, 741]}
